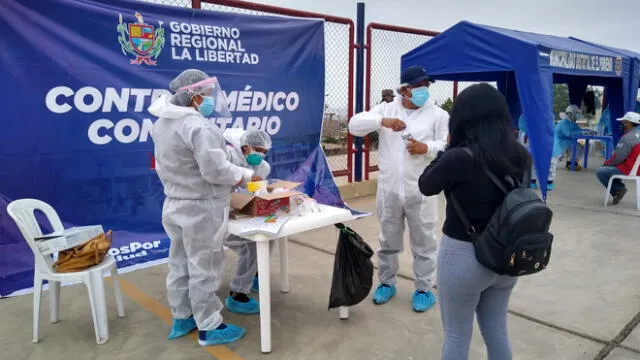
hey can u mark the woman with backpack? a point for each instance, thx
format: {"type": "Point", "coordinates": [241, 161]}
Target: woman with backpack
{"type": "Point", "coordinates": [481, 138]}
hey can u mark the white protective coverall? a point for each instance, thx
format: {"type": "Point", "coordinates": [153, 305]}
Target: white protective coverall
{"type": "Point", "coordinates": [398, 196]}
{"type": "Point", "coordinates": [192, 163]}
{"type": "Point", "coordinates": [247, 266]}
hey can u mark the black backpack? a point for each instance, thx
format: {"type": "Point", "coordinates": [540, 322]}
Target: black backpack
{"type": "Point", "coordinates": [516, 241]}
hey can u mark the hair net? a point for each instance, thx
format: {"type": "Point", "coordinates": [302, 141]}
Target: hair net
{"type": "Point", "coordinates": [186, 78]}
{"type": "Point", "coordinates": [572, 109]}
{"type": "Point", "coordinates": [256, 138]}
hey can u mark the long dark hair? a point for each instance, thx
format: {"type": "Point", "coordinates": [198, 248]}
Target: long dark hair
{"type": "Point", "coordinates": [480, 119]}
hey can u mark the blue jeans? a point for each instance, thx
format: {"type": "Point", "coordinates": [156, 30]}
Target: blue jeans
{"type": "Point", "coordinates": [604, 173]}
{"type": "Point", "coordinates": [466, 288]}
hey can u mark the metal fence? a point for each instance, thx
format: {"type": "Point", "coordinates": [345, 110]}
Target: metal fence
{"type": "Point", "coordinates": [385, 46]}
{"type": "Point", "coordinates": [179, 3]}
{"type": "Point", "coordinates": [339, 40]}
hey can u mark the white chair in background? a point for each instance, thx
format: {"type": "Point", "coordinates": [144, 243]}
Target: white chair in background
{"type": "Point", "coordinates": [634, 171]}
{"type": "Point", "coordinates": [22, 212]}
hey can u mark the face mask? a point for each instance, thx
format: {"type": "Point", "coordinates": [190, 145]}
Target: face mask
{"type": "Point", "coordinates": [207, 106]}
{"type": "Point", "coordinates": [255, 158]}
{"type": "Point", "coordinates": [419, 96]}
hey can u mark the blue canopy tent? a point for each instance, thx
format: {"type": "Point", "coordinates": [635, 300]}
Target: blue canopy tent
{"type": "Point", "coordinates": [525, 67]}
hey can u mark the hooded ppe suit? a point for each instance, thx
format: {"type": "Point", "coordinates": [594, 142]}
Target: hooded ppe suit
{"type": "Point", "coordinates": [247, 266]}
{"type": "Point", "coordinates": [563, 137]}
{"type": "Point", "coordinates": [192, 163]}
{"type": "Point", "coordinates": [398, 197]}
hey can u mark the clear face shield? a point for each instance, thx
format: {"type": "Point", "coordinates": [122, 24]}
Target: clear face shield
{"type": "Point", "coordinates": [214, 103]}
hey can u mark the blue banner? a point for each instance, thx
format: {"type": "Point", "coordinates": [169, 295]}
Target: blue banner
{"type": "Point", "coordinates": [77, 79]}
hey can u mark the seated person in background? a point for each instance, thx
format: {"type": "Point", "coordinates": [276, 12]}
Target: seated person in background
{"type": "Point", "coordinates": [623, 158]}
{"type": "Point", "coordinates": [563, 137]}
{"type": "Point", "coordinates": [246, 149]}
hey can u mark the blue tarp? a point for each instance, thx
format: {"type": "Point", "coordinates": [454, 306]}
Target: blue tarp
{"type": "Point", "coordinates": [525, 67]}
{"type": "Point", "coordinates": [77, 79]}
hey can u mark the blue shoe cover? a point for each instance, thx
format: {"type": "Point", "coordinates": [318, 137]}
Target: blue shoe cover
{"type": "Point", "coordinates": [533, 185]}
{"type": "Point", "coordinates": [251, 307]}
{"type": "Point", "coordinates": [550, 186]}
{"type": "Point", "coordinates": [256, 285]}
{"type": "Point", "coordinates": [182, 327]}
{"type": "Point", "coordinates": [224, 334]}
{"type": "Point", "coordinates": [423, 301]}
{"type": "Point", "coordinates": [383, 294]}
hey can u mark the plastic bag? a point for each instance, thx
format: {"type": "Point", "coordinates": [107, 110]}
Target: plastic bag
{"type": "Point", "coordinates": [352, 270]}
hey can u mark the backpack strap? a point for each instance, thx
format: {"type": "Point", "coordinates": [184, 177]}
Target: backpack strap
{"type": "Point", "coordinates": [465, 221]}
{"type": "Point", "coordinates": [456, 205]}
{"type": "Point", "coordinates": [489, 173]}
{"type": "Point", "coordinates": [526, 178]}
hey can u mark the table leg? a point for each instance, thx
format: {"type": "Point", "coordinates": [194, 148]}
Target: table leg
{"type": "Point", "coordinates": [264, 284]}
{"type": "Point", "coordinates": [574, 151]}
{"type": "Point", "coordinates": [284, 264]}
{"type": "Point", "coordinates": [344, 312]}
{"type": "Point", "coordinates": [609, 149]}
{"type": "Point", "coordinates": [586, 153]}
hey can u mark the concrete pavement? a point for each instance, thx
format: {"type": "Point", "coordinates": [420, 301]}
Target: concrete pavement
{"type": "Point", "coordinates": [585, 306]}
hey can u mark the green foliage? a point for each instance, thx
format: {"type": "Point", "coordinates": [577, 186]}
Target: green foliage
{"type": "Point", "coordinates": [123, 30]}
{"type": "Point", "coordinates": [331, 140]}
{"type": "Point", "coordinates": [560, 98]}
{"type": "Point", "coordinates": [159, 43]}
{"type": "Point", "coordinates": [447, 105]}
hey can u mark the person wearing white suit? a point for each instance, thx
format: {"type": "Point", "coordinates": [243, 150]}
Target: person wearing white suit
{"type": "Point", "coordinates": [246, 149]}
{"type": "Point", "coordinates": [412, 130]}
{"type": "Point", "coordinates": [194, 168]}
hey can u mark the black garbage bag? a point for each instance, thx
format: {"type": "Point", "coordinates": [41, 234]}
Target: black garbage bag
{"type": "Point", "coordinates": [352, 270]}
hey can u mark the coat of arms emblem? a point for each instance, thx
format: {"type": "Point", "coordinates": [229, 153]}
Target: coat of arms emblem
{"type": "Point", "coordinates": [618, 66]}
{"type": "Point", "coordinates": [141, 40]}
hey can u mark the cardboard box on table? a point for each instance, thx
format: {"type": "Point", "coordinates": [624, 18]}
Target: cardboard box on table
{"type": "Point", "coordinates": [265, 204]}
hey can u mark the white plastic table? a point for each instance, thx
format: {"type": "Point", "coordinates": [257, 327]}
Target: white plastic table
{"type": "Point", "coordinates": [328, 216]}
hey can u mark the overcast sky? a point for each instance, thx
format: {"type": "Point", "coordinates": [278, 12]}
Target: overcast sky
{"type": "Point", "coordinates": [611, 22]}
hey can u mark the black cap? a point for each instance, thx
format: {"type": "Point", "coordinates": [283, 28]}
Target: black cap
{"type": "Point", "coordinates": [388, 92]}
{"type": "Point", "coordinates": [414, 75]}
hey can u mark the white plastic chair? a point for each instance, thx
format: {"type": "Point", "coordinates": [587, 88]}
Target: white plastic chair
{"type": "Point", "coordinates": [22, 212]}
{"type": "Point", "coordinates": [634, 171]}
